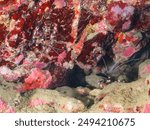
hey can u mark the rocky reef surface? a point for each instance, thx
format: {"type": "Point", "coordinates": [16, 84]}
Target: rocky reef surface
{"type": "Point", "coordinates": [115, 97]}
{"type": "Point", "coordinates": [74, 56]}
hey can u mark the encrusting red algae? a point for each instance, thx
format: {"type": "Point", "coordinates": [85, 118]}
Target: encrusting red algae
{"type": "Point", "coordinates": [41, 41]}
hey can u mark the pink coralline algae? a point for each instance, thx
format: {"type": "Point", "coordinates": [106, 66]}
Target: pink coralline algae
{"type": "Point", "coordinates": [47, 38]}
{"type": "Point", "coordinates": [37, 79]}
{"type": "Point", "coordinates": [36, 102]}
{"type": "Point", "coordinates": [147, 108]}
{"type": "Point", "coordinates": [4, 107]}
{"type": "Point", "coordinates": [108, 108]}
{"type": "Point", "coordinates": [119, 12]}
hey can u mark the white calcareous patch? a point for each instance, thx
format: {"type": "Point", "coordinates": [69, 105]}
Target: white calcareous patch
{"type": "Point", "coordinates": [5, 70]}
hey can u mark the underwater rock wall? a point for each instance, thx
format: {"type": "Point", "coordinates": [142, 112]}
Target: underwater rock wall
{"type": "Point", "coordinates": [58, 34]}
{"type": "Point", "coordinates": [52, 43]}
